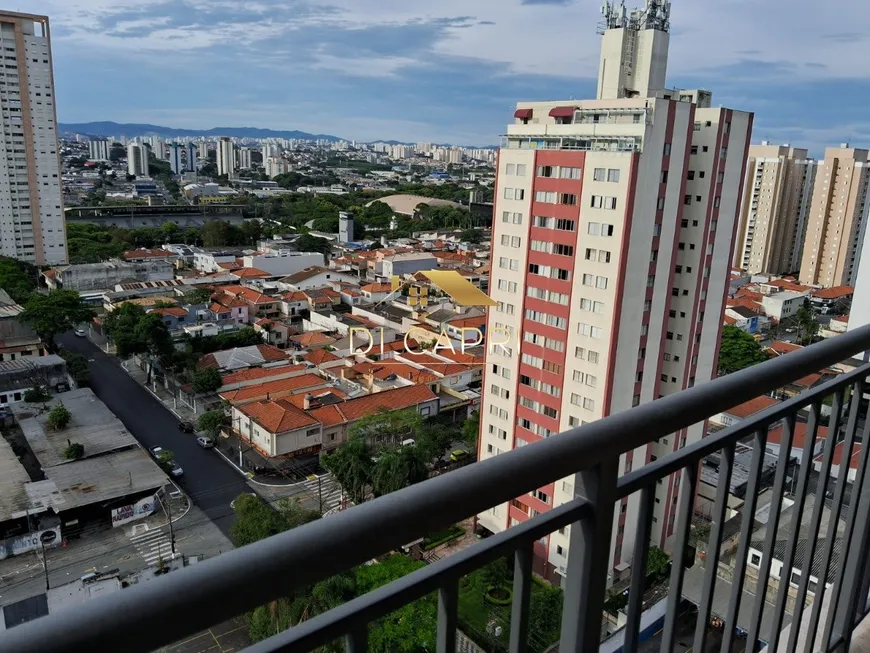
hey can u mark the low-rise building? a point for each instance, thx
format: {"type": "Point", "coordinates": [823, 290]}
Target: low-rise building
{"type": "Point", "coordinates": [106, 275]}
{"type": "Point", "coordinates": [834, 300]}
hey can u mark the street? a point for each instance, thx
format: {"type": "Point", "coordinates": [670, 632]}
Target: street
{"type": "Point", "coordinates": [210, 483]}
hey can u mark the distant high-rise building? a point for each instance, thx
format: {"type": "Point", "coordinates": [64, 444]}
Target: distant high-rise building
{"type": "Point", "coordinates": [175, 160]}
{"type": "Point", "coordinates": [31, 207]}
{"type": "Point", "coordinates": [244, 158]}
{"type": "Point", "coordinates": [190, 161]}
{"type": "Point", "coordinates": [776, 201]}
{"type": "Point", "coordinates": [98, 150]}
{"type": "Point", "coordinates": [269, 149]}
{"type": "Point", "coordinates": [134, 160]}
{"type": "Point", "coordinates": [835, 226]}
{"type": "Point", "coordinates": [345, 227]}
{"type": "Point", "coordinates": [275, 166]}
{"type": "Point", "coordinates": [611, 252]}
{"type": "Point", "coordinates": [203, 151]}
{"type": "Point", "coordinates": [226, 158]}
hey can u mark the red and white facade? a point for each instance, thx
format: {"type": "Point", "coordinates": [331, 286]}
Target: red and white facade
{"type": "Point", "coordinates": [614, 226]}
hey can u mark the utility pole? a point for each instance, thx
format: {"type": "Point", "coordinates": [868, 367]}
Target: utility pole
{"type": "Point", "coordinates": [44, 563]}
{"type": "Point", "coordinates": [167, 510]}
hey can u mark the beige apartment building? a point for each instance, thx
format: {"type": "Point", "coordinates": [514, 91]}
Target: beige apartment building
{"type": "Point", "coordinates": [32, 226]}
{"type": "Point", "coordinates": [836, 221]}
{"type": "Point", "coordinates": [612, 245]}
{"type": "Point", "coordinates": [776, 200]}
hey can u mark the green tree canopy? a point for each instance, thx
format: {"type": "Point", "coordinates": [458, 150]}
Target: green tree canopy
{"type": "Point", "coordinates": [211, 421]}
{"type": "Point", "coordinates": [17, 278]}
{"type": "Point", "coordinates": [352, 466]}
{"type": "Point", "coordinates": [136, 332]}
{"type": "Point", "coordinates": [738, 350]}
{"type": "Point", "coordinates": [308, 243]}
{"type": "Point", "coordinates": [207, 380]}
{"type": "Point", "coordinates": [387, 427]}
{"type": "Point", "coordinates": [59, 417]}
{"type": "Point", "coordinates": [470, 429]}
{"type": "Point", "coordinates": [807, 324]}
{"type": "Point", "coordinates": [55, 313]}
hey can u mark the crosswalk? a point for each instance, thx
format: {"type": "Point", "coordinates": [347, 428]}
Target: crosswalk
{"type": "Point", "coordinates": [332, 493]}
{"type": "Point", "coordinates": [153, 545]}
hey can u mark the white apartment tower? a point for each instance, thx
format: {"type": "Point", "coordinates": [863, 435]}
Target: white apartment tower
{"type": "Point", "coordinates": [612, 244]}
{"type": "Point", "coordinates": [175, 162]}
{"type": "Point", "coordinates": [226, 158]}
{"type": "Point", "coordinates": [31, 208]}
{"type": "Point", "coordinates": [138, 155]}
{"type": "Point", "coordinates": [244, 158]}
{"type": "Point", "coordinates": [190, 161]}
{"type": "Point", "coordinates": [98, 149]}
{"type": "Point", "coordinates": [776, 203]}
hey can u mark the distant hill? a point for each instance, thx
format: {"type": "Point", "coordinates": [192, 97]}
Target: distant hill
{"type": "Point", "coordinates": [108, 128]}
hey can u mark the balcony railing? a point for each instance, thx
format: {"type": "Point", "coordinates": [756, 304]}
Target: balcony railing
{"type": "Point", "coordinates": [147, 616]}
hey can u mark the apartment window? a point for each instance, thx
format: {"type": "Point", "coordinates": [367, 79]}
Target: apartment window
{"type": "Point", "coordinates": [661, 204]}
{"type": "Point", "coordinates": [589, 280]}
{"type": "Point", "coordinates": [691, 175]}
{"type": "Point", "coordinates": [606, 229]}
{"type": "Point", "coordinates": [694, 149]}
{"type": "Point", "coordinates": [601, 283]}
{"type": "Point", "coordinates": [580, 353]}
{"type": "Point", "coordinates": [510, 169]}
{"type": "Point", "coordinates": [567, 198]}
{"type": "Point", "coordinates": [593, 228]}
{"type": "Point", "coordinates": [591, 254]}
{"type": "Point", "coordinates": [588, 404]}
{"type": "Point", "coordinates": [687, 200]}
{"type": "Point", "coordinates": [666, 150]}
{"type": "Point", "coordinates": [720, 177]}
{"type": "Point", "coordinates": [521, 169]}
{"type": "Point", "coordinates": [569, 173]}
{"type": "Point", "coordinates": [717, 201]}
{"type": "Point", "coordinates": [592, 357]}
{"type": "Point", "coordinates": [597, 200]}
{"type": "Point", "coordinates": [613, 174]}
{"type": "Point", "coordinates": [723, 152]}
{"type": "Point", "coordinates": [664, 176]}
{"type": "Point", "coordinates": [599, 174]}
{"type": "Point", "coordinates": [697, 126]}
{"type": "Point", "coordinates": [509, 193]}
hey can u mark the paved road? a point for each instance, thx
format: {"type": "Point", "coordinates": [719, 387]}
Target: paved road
{"type": "Point", "coordinates": [208, 480]}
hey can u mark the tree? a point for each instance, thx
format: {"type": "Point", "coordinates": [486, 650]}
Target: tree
{"type": "Point", "coordinates": [738, 350]}
{"type": "Point", "coordinates": [496, 573]}
{"type": "Point", "coordinates": [136, 332]}
{"type": "Point", "coordinates": [807, 324]}
{"type": "Point", "coordinates": [307, 243]}
{"type": "Point", "coordinates": [411, 628]}
{"type": "Point", "coordinates": [165, 460]}
{"type": "Point", "coordinates": [55, 313]}
{"type": "Point", "coordinates": [210, 422]}
{"type": "Point", "coordinates": [473, 236]}
{"type": "Point", "coordinates": [207, 380]}
{"type": "Point", "coordinates": [17, 278]}
{"type": "Point", "coordinates": [351, 464]}
{"type": "Point", "coordinates": [74, 451]}
{"type": "Point", "coordinates": [390, 472]}
{"type": "Point", "coordinates": [388, 427]}
{"type": "Point", "coordinates": [322, 597]}
{"type": "Point", "coordinates": [545, 617]}
{"type": "Point", "coordinates": [77, 365]}
{"type": "Point", "coordinates": [657, 562]}
{"type": "Point", "coordinates": [36, 395]}
{"type": "Point", "coordinates": [198, 296]}
{"type": "Point", "coordinates": [470, 429]}
{"type": "Point", "coordinates": [59, 417]}
{"type": "Point", "coordinates": [255, 520]}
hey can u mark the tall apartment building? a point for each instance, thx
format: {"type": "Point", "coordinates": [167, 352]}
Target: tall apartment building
{"type": "Point", "coordinates": [612, 244]}
{"type": "Point", "coordinates": [837, 218]}
{"type": "Point", "coordinates": [244, 158]}
{"type": "Point", "coordinates": [175, 162]}
{"type": "Point", "coordinates": [275, 165]}
{"type": "Point", "coordinates": [98, 149]}
{"type": "Point", "coordinates": [190, 160]}
{"type": "Point", "coordinates": [226, 157]}
{"type": "Point", "coordinates": [32, 226]}
{"type": "Point", "coordinates": [203, 150]}
{"type": "Point", "coordinates": [776, 202]}
{"type": "Point", "coordinates": [138, 155]}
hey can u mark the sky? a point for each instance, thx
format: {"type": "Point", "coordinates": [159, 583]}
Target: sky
{"type": "Point", "coordinates": [445, 71]}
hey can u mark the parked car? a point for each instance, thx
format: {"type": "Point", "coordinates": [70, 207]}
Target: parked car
{"type": "Point", "coordinates": [81, 333]}
{"type": "Point", "coordinates": [458, 454]}
{"type": "Point", "coordinates": [185, 426]}
{"type": "Point", "coordinates": [204, 442]}
{"type": "Point", "coordinates": [173, 467]}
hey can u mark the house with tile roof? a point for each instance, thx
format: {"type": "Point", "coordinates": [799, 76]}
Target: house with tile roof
{"type": "Point", "coordinates": [276, 389]}
{"type": "Point", "coordinates": [313, 277]}
{"type": "Point", "coordinates": [743, 411]}
{"type": "Point", "coordinates": [834, 300]}
{"type": "Point", "coordinates": [242, 357]}
{"type": "Point", "coordinates": [259, 304]}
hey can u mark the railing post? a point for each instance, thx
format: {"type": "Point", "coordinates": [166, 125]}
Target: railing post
{"type": "Point", "coordinates": [589, 560]}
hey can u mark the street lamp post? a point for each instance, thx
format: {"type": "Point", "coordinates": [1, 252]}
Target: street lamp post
{"type": "Point", "coordinates": [167, 510]}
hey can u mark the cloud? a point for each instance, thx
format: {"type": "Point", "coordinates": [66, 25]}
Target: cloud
{"type": "Point", "coordinates": [451, 67]}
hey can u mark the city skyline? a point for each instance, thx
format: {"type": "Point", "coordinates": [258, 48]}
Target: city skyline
{"type": "Point", "coordinates": [424, 73]}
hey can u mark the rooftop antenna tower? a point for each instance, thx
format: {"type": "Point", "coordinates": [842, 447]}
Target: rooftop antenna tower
{"type": "Point", "coordinates": [655, 15]}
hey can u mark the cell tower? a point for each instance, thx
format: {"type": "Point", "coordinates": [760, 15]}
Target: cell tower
{"type": "Point", "coordinates": [655, 15]}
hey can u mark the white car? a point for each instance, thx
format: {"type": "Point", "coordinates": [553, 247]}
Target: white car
{"type": "Point", "coordinates": [81, 333]}
{"type": "Point", "coordinates": [174, 467]}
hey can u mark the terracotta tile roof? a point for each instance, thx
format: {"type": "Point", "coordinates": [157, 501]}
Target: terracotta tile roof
{"type": "Point", "coordinates": [749, 294]}
{"type": "Point", "coordinates": [745, 302]}
{"type": "Point", "coordinates": [810, 380]}
{"type": "Point", "coordinates": [774, 436]}
{"type": "Point", "coordinates": [350, 292]}
{"type": "Point", "coordinates": [840, 318]}
{"type": "Point", "coordinates": [362, 320]}
{"type": "Point", "coordinates": [254, 373]}
{"type": "Point", "coordinates": [148, 253]}
{"type": "Point", "coordinates": [229, 266]}
{"type": "Point", "coordinates": [312, 339]}
{"type": "Point", "coordinates": [304, 274]}
{"type": "Point", "coordinates": [279, 386]}
{"type": "Point", "coordinates": [834, 293]}
{"type": "Point", "coordinates": [751, 407]}
{"type": "Point", "coordinates": [837, 458]}
{"type": "Point", "coordinates": [250, 295]}
{"type": "Point", "coordinates": [295, 296]}
{"type": "Point", "coordinates": [477, 322]}
{"type": "Point", "coordinates": [460, 357]}
{"type": "Point", "coordinates": [403, 371]}
{"type": "Point", "coordinates": [251, 273]}
{"type": "Point", "coordinates": [730, 321]}
{"type": "Point", "coordinates": [320, 356]}
{"type": "Point", "coordinates": [325, 396]}
{"type": "Point", "coordinates": [377, 287]}
{"type": "Point", "coordinates": [175, 310]}
{"type": "Point", "coordinates": [147, 301]}
{"type": "Point", "coordinates": [217, 308]}
{"type": "Point", "coordinates": [278, 416]}
{"type": "Point", "coordinates": [785, 284]}
{"type": "Point", "coordinates": [51, 274]}
{"type": "Point", "coordinates": [264, 322]}
{"type": "Point", "coordinates": [780, 347]}
{"type": "Point", "coordinates": [354, 409]}
{"type": "Point", "coordinates": [435, 365]}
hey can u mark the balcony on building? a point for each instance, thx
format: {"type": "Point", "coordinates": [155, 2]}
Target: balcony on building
{"type": "Point", "coordinates": [774, 556]}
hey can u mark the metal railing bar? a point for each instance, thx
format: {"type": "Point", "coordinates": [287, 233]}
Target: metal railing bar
{"type": "Point", "coordinates": [448, 615]}
{"type": "Point", "coordinates": [375, 604]}
{"type": "Point", "coordinates": [723, 492]}
{"type": "Point", "coordinates": [589, 563]}
{"type": "Point", "coordinates": [638, 569]}
{"type": "Point", "coordinates": [521, 605]}
{"type": "Point", "coordinates": [270, 568]}
{"type": "Point", "coordinates": [689, 482]}
{"type": "Point", "coordinates": [783, 463]}
{"type": "Point", "coordinates": [834, 518]}
{"type": "Point", "coordinates": [357, 641]}
{"type": "Point", "coordinates": [794, 531]}
{"type": "Point", "coordinates": [816, 521]}
{"type": "Point", "coordinates": [747, 523]}
{"type": "Point", "coordinates": [849, 557]}
{"type": "Point", "coordinates": [635, 480]}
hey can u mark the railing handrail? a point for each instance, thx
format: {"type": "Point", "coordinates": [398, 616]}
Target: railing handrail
{"type": "Point", "coordinates": [255, 574]}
